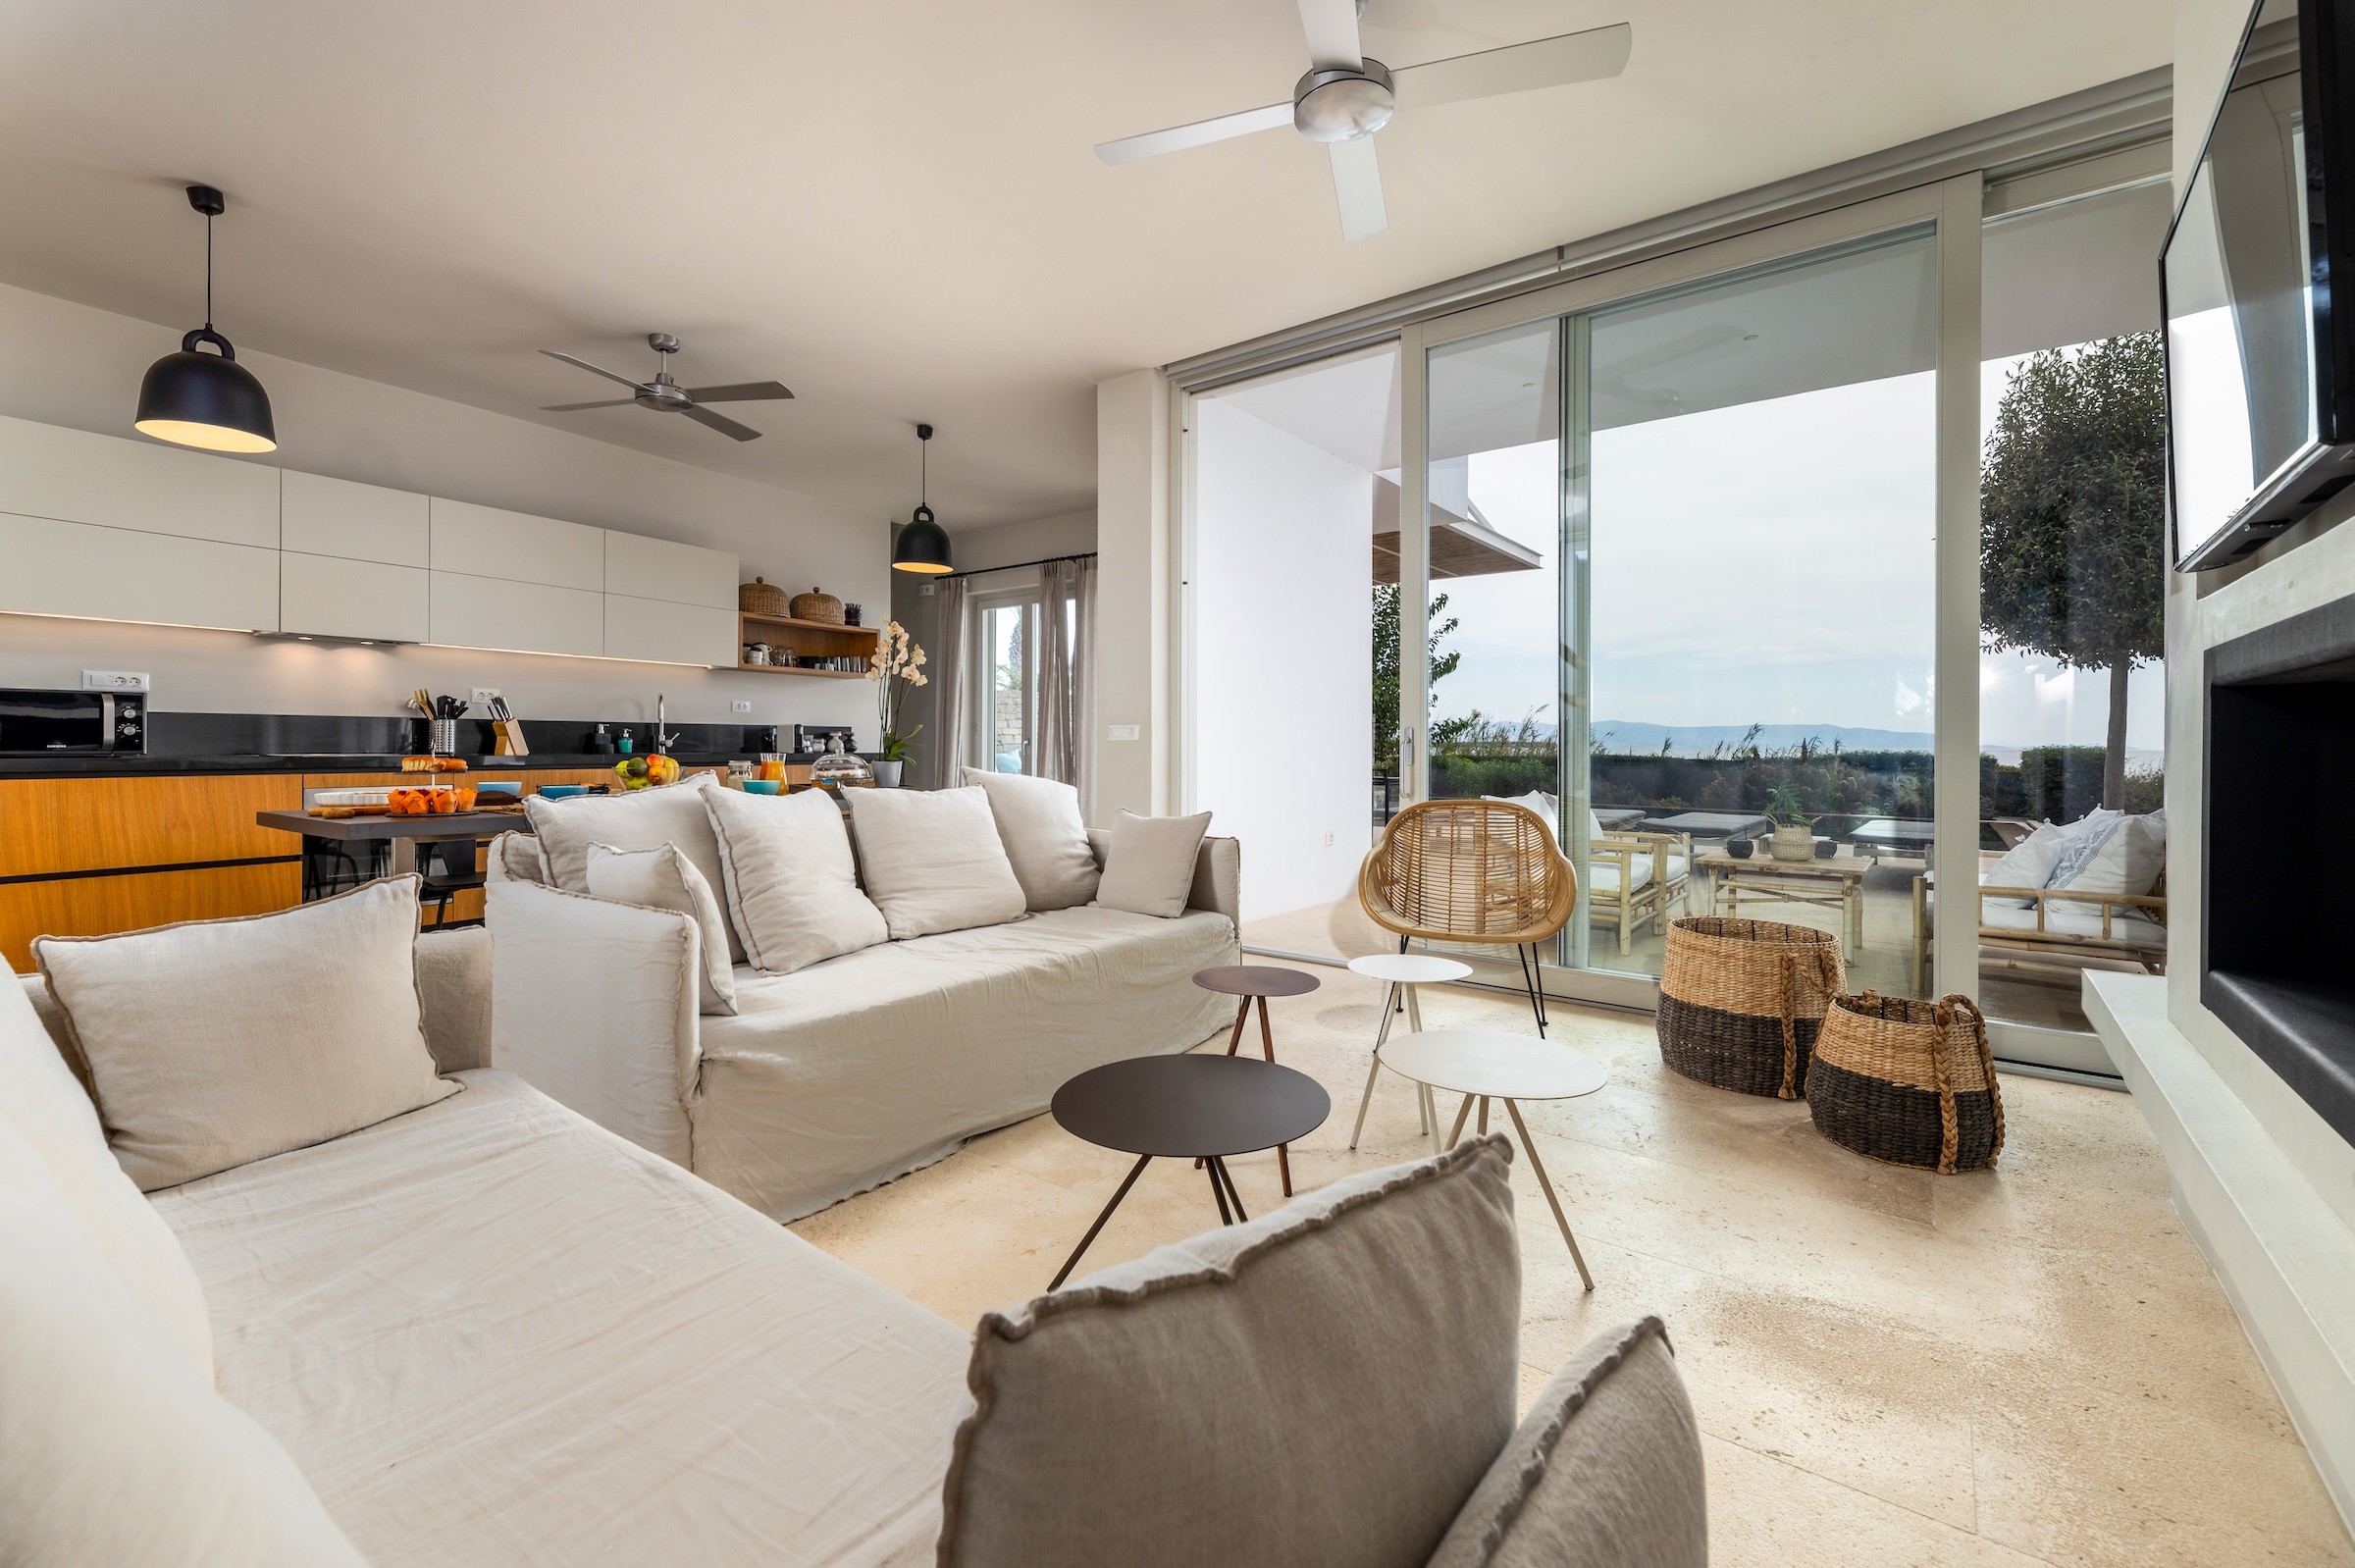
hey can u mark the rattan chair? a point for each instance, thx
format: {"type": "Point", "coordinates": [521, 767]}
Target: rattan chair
{"type": "Point", "coordinates": [1483, 871]}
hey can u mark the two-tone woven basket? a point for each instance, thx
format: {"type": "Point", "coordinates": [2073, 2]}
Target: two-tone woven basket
{"type": "Point", "coordinates": [1906, 1081]}
{"type": "Point", "coordinates": [1741, 1001]}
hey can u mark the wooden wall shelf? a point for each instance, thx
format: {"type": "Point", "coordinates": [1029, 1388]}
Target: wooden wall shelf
{"type": "Point", "coordinates": [808, 639]}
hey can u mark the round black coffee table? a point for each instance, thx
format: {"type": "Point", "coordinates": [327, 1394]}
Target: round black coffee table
{"type": "Point", "coordinates": [1187, 1107]}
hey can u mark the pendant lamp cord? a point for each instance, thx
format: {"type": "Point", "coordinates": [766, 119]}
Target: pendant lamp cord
{"type": "Point", "coordinates": [923, 473]}
{"type": "Point", "coordinates": [208, 272]}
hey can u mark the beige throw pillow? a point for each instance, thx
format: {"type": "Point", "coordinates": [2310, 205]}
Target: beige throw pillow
{"type": "Point", "coordinates": [216, 1043]}
{"type": "Point", "coordinates": [665, 879]}
{"type": "Point", "coordinates": [793, 887]}
{"type": "Point", "coordinates": [1223, 1400]}
{"type": "Point", "coordinates": [40, 1098]}
{"type": "Point", "coordinates": [1604, 1471]}
{"type": "Point", "coordinates": [641, 819]}
{"type": "Point", "coordinates": [1045, 837]}
{"type": "Point", "coordinates": [114, 1449]}
{"type": "Point", "coordinates": [932, 861]}
{"type": "Point", "coordinates": [1149, 866]}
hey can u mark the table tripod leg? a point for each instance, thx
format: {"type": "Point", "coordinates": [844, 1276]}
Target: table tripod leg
{"type": "Point", "coordinates": [1217, 1192]}
{"type": "Point", "coordinates": [1242, 1016]}
{"type": "Point", "coordinates": [1267, 1044]}
{"type": "Point", "coordinates": [1224, 1175]}
{"type": "Point", "coordinates": [1546, 1185]}
{"type": "Point", "coordinates": [1134, 1170]}
{"type": "Point", "coordinates": [1372, 1071]}
{"type": "Point", "coordinates": [1458, 1131]}
{"type": "Point", "coordinates": [1483, 1116]}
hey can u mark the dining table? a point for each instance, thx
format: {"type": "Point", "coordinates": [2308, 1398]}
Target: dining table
{"type": "Point", "coordinates": [403, 833]}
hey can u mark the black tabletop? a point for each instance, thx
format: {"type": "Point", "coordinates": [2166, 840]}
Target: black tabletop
{"type": "Point", "coordinates": [1180, 1106]}
{"type": "Point", "coordinates": [1256, 979]}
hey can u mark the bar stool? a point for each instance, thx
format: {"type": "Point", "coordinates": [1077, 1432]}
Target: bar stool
{"type": "Point", "coordinates": [1405, 971]}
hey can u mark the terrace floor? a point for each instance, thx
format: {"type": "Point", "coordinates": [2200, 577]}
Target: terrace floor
{"type": "Point", "coordinates": [2001, 1369]}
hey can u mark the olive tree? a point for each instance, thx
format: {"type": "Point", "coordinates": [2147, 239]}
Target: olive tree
{"type": "Point", "coordinates": [2072, 502]}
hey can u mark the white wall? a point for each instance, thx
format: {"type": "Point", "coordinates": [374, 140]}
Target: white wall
{"type": "Point", "coordinates": [1132, 596]}
{"type": "Point", "coordinates": [1282, 655]}
{"type": "Point", "coordinates": [67, 364]}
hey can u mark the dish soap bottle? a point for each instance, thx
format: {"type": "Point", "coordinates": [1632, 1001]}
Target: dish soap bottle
{"type": "Point", "coordinates": [627, 743]}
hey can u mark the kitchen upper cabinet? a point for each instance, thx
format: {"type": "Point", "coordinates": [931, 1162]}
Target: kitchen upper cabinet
{"type": "Point", "coordinates": [487, 542]}
{"type": "Point", "coordinates": [326, 595]}
{"type": "Point", "coordinates": [674, 634]}
{"type": "Point", "coordinates": [656, 568]}
{"type": "Point", "coordinates": [51, 568]}
{"type": "Point", "coordinates": [492, 612]}
{"type": "Point", "coordinates": [323, 517]}
{"type": "Point", "coordinates": [116, 482]}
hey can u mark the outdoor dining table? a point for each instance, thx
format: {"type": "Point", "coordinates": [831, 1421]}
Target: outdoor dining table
{"type": "Point", "coordinates": [1711, 824]}
{"type": "Point", "coordinates": [405, 833]}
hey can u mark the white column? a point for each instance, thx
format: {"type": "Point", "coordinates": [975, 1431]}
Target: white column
{"type": "Point", "coordinates": [1134, 586]}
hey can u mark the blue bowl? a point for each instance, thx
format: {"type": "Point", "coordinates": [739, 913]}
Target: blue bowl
{"type": "Point", "coordinates": [560, 791]}
{"type": "Point", "coordinates": [764, 786]}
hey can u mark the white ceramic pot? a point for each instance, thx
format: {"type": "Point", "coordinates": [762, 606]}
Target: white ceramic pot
{"type": "Point", "coordinates": [1792, 843]}
{"type": "Point", "coordinates": [887, 774]}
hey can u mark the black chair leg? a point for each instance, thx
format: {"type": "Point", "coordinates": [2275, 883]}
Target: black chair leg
{"type": "Point", "coordinates": [1530, 977]}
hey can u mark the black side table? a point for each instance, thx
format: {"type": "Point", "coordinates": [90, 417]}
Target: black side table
{"type": "Point", "coordinates": [1187, 1107]}
{"type": "Point", "coordinates": [1256, 982]}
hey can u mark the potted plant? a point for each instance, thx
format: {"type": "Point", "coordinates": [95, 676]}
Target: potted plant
{"type": "Point", "coordinates": [897, 665]}
{"type": "Point", "coordinates": [1794, 829]}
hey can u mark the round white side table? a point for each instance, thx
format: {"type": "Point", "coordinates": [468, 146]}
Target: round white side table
{"type": "Point", "coordinates": [1483, 1064]}
{"type": "Point", "coordinates": [1405, 971]}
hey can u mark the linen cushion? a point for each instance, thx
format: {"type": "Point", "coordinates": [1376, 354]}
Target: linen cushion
{"type": "Point", "coordinates": [2027, 864]}
{"type": "Point", "coordinates": [1045, 837]}
{"type": "Point", "coordinates": [1547, 808]}
{"type": "Point", "coordinates": [115, 1449]}
{"type": "Point", "coordinates": [1149, 866]}
{"type": "Point", "coordinates": [213, 1043]}
{"type": "Point", "coordinates": [1221, 1400]}
{"type": "Point", "coordinates": [1603, 1472]}
{"type": "Point", "coordinates": [793, 887]}
{"type": "Point", "coordinates": [932, 861]}
{"type": "Point", "coordinates": [2081, 841]}
{"type": "Point", "coordinates": [2127, 856]}
{"type": "Point", "coordinates": [515, 858]}
{"type": "Point", "coordinates": [640, 819]}
{"type": "Point", "coordinates": [453, 990]}
{"type": "Point", "coordinates": [40, 1098]}
{"type": "Point", "coordinates": [663, 878]}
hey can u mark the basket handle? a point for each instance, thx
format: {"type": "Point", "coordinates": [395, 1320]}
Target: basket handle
{"type": "Point", "coordinates": [1788, 1011]}
{"type": "Point", "coordinates": [1954, 1008]}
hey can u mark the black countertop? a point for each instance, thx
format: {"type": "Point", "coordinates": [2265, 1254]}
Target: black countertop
{"type": "Point", "coordinates": [86, 766]}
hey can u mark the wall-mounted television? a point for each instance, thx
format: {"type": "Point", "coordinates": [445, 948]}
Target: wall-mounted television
{"type": "Point", "coordinates": [2259, 366]}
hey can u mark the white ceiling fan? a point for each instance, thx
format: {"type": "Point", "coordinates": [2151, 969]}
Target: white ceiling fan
{"type": "Point", "coordinates": [1347, 97]}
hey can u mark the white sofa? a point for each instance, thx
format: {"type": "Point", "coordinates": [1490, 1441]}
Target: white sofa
{"type": "Point", "coordinates": [489, 1332]}
{"type": "Point", "coordinates": [845, 1075]}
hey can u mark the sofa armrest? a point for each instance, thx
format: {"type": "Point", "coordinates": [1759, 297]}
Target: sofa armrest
{"type": "Point", "coordinates": [594, 1004]}
{"type": "Point", "coordinates": [1218, 874]}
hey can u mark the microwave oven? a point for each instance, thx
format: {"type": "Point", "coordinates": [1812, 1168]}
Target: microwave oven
{"type": "Point", "coordinates": [35, 723]}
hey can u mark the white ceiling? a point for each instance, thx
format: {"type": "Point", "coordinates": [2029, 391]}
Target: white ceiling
{"type": "Point", "coordinates": [893, 207]}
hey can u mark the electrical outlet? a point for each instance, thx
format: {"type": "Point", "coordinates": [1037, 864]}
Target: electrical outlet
{"type": "Point", "coordinates": [480, 701]}
{"type": "Point", "coordinates": [1328, 841]}
{"type": "Point", "coordinates": [740, 707]}
{"type": "Point", "coordinates": [1120, 732]}
{"type": "Point", "coordinates": [113, 680]}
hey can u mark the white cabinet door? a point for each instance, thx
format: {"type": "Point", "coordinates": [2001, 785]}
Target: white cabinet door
{"type": "Point", "coordinates": [522, 617]}
{"type": "Point", "coordinates": [675, 634]}
{"type": "Point", "coordinates": [323, 517]}
{"type": "Point", "coordinates": [49, 567]}
{"type": "Point", "coordinates": [116, 482]}
{"type": "Point", "coordinates": [656, 568]}
{"type": "Point", "coordinates": [326, 595]}
{"type": "Point", "coordinates": [485, 541]}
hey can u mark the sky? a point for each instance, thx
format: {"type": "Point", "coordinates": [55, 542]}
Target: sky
{"type": "Point", "coordinates": [1770, 562]}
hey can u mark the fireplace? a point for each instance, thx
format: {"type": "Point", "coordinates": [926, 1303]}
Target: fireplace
{"type": "Point", "coordinates": [2277, 857]}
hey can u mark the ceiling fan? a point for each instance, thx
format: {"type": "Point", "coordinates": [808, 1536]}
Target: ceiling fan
{"type": "Point", "coordinates": [667, 396]}
{"type": "Point", "coordinates": [1347, 97]}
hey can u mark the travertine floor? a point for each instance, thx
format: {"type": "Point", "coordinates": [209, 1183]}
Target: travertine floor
{"type": "Point", "coordinates": [1891, 1367]}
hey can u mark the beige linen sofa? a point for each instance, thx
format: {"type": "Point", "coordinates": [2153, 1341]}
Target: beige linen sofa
{"type": "Point", "coordinates": [855, 1071]}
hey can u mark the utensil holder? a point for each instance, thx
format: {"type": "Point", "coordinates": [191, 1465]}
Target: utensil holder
{"type": "Point", "coordinates": [441, 737]}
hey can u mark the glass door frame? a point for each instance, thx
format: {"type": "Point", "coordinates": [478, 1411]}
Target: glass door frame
{"type": "Point", "coordinates": [1025, 598]}
{"type": "Point", "coordinates": [1953, 209]}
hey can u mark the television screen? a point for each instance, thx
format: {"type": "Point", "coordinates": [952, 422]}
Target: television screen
{"type": "Point", "coordinates": [2243, 401]}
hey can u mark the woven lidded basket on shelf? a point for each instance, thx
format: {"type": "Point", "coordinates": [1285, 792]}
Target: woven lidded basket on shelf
{"type": "Point", "coordinates": [760, 596]}
{"type": "Point", "coordinates": [1910, 1083]}
{"type": "Point", "coordinates": [817, 606]}
{"type": "Point", "coordinates": [1741, 1001]}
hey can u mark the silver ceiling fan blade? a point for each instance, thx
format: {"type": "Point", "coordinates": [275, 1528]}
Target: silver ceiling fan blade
{"type": "Point", "coordinates": [1555, 62]}
{"type": "Point", "coordinates": [1331, 28]}
{"type": "Point", "coordinates": [742, 392]}
{"type": "Point", "coordinates": [574, 408]}
{"type": "Point", "coordinates": [721, 423]}
{"type": "Point", "coordinates": [1357, 182]}
{"type": "Point", "coordinates": [1201, 134]}
{"type": "Point", "coordinates": [593, 370]}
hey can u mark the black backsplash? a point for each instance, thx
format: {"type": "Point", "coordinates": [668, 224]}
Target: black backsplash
{"type": "Point", "coordinates": [329, 735]}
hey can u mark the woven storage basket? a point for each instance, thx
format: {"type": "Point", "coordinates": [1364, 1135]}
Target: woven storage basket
{"type": "Point", "coordinates": [1909, 1082]}
{"type": "Point", "coordinates": [1741, 1001]}
{"type": "Point", "coordinates": [817, 606]}
{"type": "Point", "coordinates": [761, 597]}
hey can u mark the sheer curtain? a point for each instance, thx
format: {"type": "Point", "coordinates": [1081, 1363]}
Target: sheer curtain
{"type": "Point", "coordinates": [947, 667]}
{"type": "Point", "coordinates": [1067, 688]}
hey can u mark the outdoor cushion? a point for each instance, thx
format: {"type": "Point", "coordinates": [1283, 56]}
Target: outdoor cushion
{"type": "Point", "coordinates": [638, 819]}
{"type": "Point", "coordinates": [1214, 1402]}
{"type": "Point", "coordinates": [213, 1043]}
{"type": "Point", "coordinates": [663, 878]}
{"type": "Point", "coordinates": [1602, 873]}
{"type": "Point", "coordinates": [1149, 868]}
{"type": "Point", "coordinates": [1045, 836]}
{"type": "Point", "coordinates": [1604, 1471]}
{"type": "Point", "coordinates": [2027, 864]}
{"type": "Point", "coordinates": [932, 860]}
{"type": "Point", "coordinates": [2128, 857]}
{"type": "Point", "coordinates": [793, 887]}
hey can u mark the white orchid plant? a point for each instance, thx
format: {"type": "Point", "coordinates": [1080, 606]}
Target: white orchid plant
{"type": "Point", "coordinates": [897, 665]}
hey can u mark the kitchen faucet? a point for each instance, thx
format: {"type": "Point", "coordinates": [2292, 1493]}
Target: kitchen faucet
{"type": "Point", "coordinates": [663, 736]}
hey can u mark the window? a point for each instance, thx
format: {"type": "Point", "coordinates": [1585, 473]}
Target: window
{"type": "Point", "coordinates": [1005, 728]}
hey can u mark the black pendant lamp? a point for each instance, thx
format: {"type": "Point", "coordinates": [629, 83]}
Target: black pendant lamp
{"type": "Point", "coordinates": [206, 401]}
{"type": "Point", "coordinates": [923, 545]}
